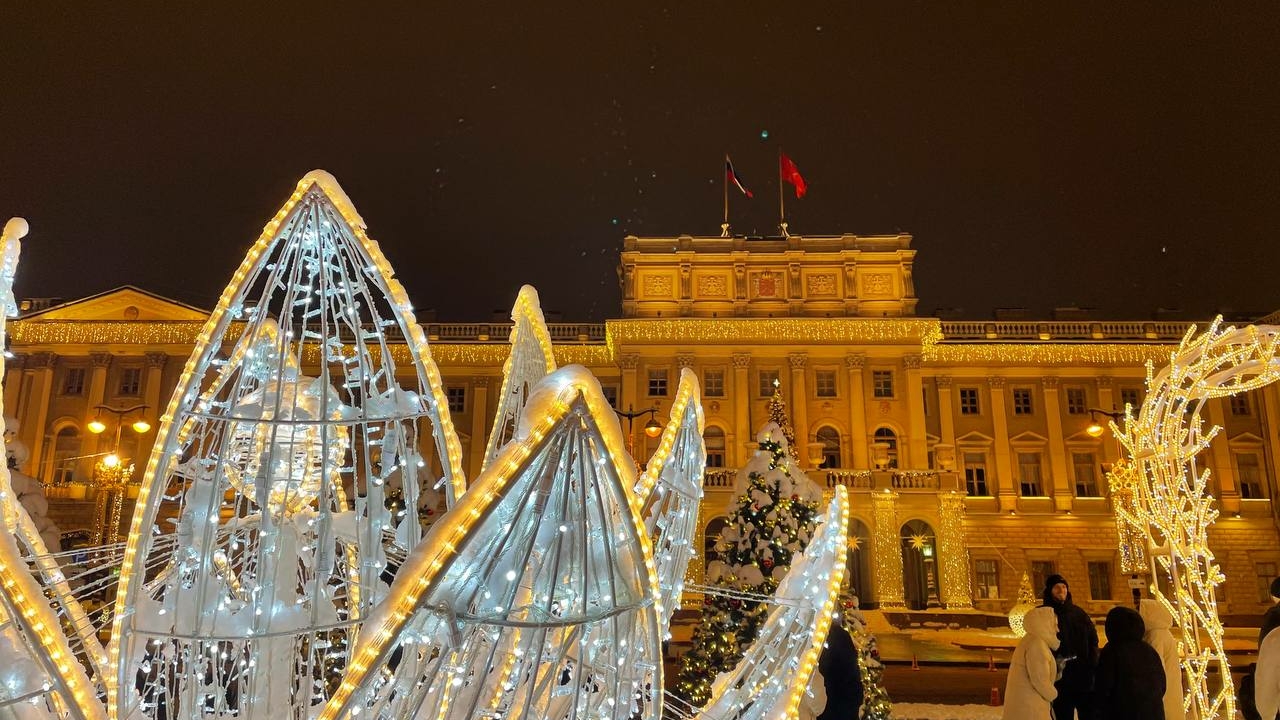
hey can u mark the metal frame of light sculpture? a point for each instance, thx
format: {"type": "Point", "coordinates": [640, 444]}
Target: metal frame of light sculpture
{"type": "Point", "coordinates": [540, 635]}
{"type": "Point", "coordinates": [27, 620]}
{"type": "Point", "coordinates": [771, 679]}
{"type": "Point", "coordinates": [1176, 507]}
{"type": "Point", "coordinates": [275, 568]}
{"type": "Point", "coordinates": [670, 489]}
{"type": "Point", "coordinates": [532, 358]}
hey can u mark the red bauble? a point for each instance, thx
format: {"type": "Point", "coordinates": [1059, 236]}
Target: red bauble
{"type": "Point", "coordinates": [768, 563]}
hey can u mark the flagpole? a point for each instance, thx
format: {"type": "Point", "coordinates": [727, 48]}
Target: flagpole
{"type": "Point", "coordinates": [724, 227]}
{"type": "Point", "coordinates": [782, 202]}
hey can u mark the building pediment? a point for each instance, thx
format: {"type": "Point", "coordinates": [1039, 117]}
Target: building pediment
{"type": "Point", "coordinates": [1028, 438]}
{"type": "Point", "coordinates": [128, 303]}
{"type": "Point", "coordinates": [974, 438]}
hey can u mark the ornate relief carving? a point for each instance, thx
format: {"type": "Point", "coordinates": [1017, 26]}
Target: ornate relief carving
{"type": "Point", "coordinates": [1049, 383]}
{"type": "Point", "coordinates": [855, 361]}
{"type": "Point", "coordinates": [684, 360]}
{"type": "Point", "coordinates": [156, 360]}
{"type": "Point", "coordinates": [877, 284]}
{"type": "Point", "coordinates": [100, 359]}
{"type": "Point", "coordinates": [713, 286]}
{"type": "Point", "coordinates": [741, 361]}
{"type": "Point", "coordinates": [629, 361]}
{"type": "Point", "coordinates": [911, 362]}
{"type": "Point", "coordinates": [1104, 382]}
{"type": "Point", "coordinates": [657, 286]}
{"type": "Point", "coordinates": [765, 284]}
{"type": "Point", "coordinates": [821, 285]}
{"type": "Point", "coordinates": [943, 382]}
{"type": "Point", "coordinates": [996, 382]}
{"type": "Point", "coordinates": [798, 360]}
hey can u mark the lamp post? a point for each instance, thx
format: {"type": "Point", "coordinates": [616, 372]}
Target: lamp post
{"type": "Point", "coordinates": [1126, 495]}
{"type": "Point", "coordinates": [1096, 428]}
{"type": "Point", "coordinates": [110, 475]}
{"type": "Point", "coordinates": [652, 428]}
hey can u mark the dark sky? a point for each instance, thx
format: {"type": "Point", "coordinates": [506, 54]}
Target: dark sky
{"type": "Point", "coordinates": [1121, 156]}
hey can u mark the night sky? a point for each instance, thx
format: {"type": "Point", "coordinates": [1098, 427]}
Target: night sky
{"type": "Point", "coordinates": [1042, 154]}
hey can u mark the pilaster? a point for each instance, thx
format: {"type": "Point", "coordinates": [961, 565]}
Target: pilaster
{"type": "Point", "coordinates": [800, 403]}
{"type": "Point", "coordinates": [741, 407]}
{"type": "Point", "coordinates": [888, 549]}
{"type": "Point", "coordinates": [917, 442]}
{"type": "Point", "coordinates": [1005, 487]}
{"type": "Point", "coordinates": [1060, 481]}
{"type": "Point", "coordinates": [854, 363]}
{"type": "Point", "coordinates": [953, 552]}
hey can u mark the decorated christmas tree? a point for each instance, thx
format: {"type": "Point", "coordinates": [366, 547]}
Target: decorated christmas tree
{"type": "Point", "coordinates": [770, 520]}
{"type": "Point", "coordinates": [875, 703]}
{"type": "Point", "coordinates": [1027, 601]}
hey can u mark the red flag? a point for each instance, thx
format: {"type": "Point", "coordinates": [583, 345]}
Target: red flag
{"type": "Point", "coordinates": [790, 173]}
{"type": "Point", "coordinates": [733, 177]}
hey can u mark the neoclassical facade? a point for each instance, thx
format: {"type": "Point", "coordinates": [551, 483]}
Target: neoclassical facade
{"type": "Point", "coordinates": [964, 443]}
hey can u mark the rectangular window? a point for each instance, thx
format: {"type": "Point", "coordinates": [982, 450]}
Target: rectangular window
{"type": "Point", "coordinates": [1076, 404]}
{"type": "Point", "coordinates": [975, 473]}
{"type": "Point", "coordinates": [1100, 580]}
{"type": "Point", "coordinates": [1240, 404]}
{"type": "Point", "coordinates": [969, 401]}
{"type": "Point", "coordinates": [713, 383]}
{"type": "Point", "coordinates": [1265, 572]}
{"type": "Point", "coordinates": [768, 382]}
{"type": "Point", "coordinates": [1131, 396]}
{"type": "Point", "coordinates": [1249, 472]}
{"type": "Point", "coordinates": [658, 383]}
{"type": "Point", "coordinates": [130, 381]}
{"type": "Point", "coordinates": [610, 395]}
{"type": "Point", "coordinates": [1021, 401]}
{"type": "Point", "coordinates": [1040, 571]}
{"type": "Point", "coordinates": [986, 579]}
{"type": "Point", "coordinates": [882, 384]}
{"type": "Point", "coordinates": [1086, 469]}
{"type": "Point", "coordinates": [1032, 484]}
{"type": "Point", "coordinates": [824, 383]}
{"type": "Point", "coordinates": [73, 381]}
{"type": "Point", "coordinates": [457, 397]}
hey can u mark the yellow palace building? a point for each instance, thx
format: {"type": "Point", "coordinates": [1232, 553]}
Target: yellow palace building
{"type": "Point", "coordinates": [966, 444]}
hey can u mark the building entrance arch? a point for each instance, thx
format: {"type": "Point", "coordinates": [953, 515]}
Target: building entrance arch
{"type": "Point", "coordinates": [919, 565]}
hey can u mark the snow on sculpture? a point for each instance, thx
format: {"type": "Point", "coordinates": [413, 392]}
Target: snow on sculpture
{"type": "Point", "coordinates": [1176, 507]}
{"type": "Point", "coordinates": [531, 359]}
{"type": "Point", "coordinates": [41, 675]}
{"type": "Point", "coordinates": [535, 596]}
{"type": "Point", "coordinates": [272, 467]}
{"type": "Point", "coordinates": [772, 677]}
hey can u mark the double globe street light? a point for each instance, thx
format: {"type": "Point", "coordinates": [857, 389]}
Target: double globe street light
{"type": "Point", "coordinates": [110, 475]}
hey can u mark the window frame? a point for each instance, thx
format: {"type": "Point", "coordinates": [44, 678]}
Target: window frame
{"type": "Point", "coordinates": [1074, 405]}
{"type": "Point", "coordinates": [459, 393]}
{"type": "Point", "coordinates": [970, 482]}
{"type": "Point", "coordinates": [1096, 577]}
{"type": "Point", "coordinates": [709, 389]}
{"type": "Point", "coordinates": [658, 382]}
{"type": "Point", "coordinates": [885, 390]}
{"type": "Point", "coordinates": [1095, 470]}
{"type": "Point", "coordinates": [65, 388]}
{"type": "Point", "coordinates": [821, 375]}
{"type": "Point", "coordinates": [976, 399]}
{"type": "Point", "coordinates": [1023, 401]}
{"type": "Point", "coordinates": [984, 590]}
{"type": "Point", "coordinates": [765, 387]}
{"type": "Point", "coordinates": [1039, 465]}
{"type": "Point", "coordinates": [131, 389]}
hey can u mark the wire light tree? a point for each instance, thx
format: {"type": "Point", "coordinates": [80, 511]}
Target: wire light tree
{"type": "Point", "coordinates": [1176, 506]}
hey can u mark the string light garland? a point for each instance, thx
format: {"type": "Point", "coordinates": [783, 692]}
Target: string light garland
{"type": "Point", "coordinates": [1123, 481]}
{"type": "Point", "coordinates": [531, 359]}
{"type": "Point", "coordinates": [772, 331]}
{"type": "Point", "coordinates": [1175, 507]}
{"type": "Point", "coordinates": [886, 557]}
{"type": "Point", "coordinates": [954, 551]}
{"type": "Point", "coordinates": [1027, 601]}
{"type": "Point", "coordinates": [1043, 354]}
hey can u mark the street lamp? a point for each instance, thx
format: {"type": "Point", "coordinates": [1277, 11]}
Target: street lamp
{"type": "Point", "coordinates": [652, 428]}
{"type": "Point", "coordinates": [110, 475]}
{"type": "Point", "coordinates": [1096, 428]}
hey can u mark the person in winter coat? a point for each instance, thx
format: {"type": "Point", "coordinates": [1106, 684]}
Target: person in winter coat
{"type": "Point", "coordinates": [1271, 620]}
{"type": "Point", "coordinates": [841, 674]}
{"type": "Point", "coordinates": [1266, 676]}
{"type": "Point", "coordinates": [1158, 622]}
{"type": "Point", "coordinates": [1029, 693]}
{"type": "Point", "coordinates": [1078, 648]}
{"type": "Point", "coordinates": [1129, 683]}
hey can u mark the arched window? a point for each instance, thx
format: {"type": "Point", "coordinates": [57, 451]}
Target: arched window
{"type": "Point", "coordinates": [889, 437]}
{"type": "Point", "coordinates": [66, 449]}
{"type": "Point", "coordinates": [709, 539]}
{"type": "Point", "coordinates": [830, 439]}
{"type": "Point", "coordinates": [857, 576]}
{"type": "Point", "coordinates": [713, 437]}
{"type": "Point", "coordinates": [919, 565]}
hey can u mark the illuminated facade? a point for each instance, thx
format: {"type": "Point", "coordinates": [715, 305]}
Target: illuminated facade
{"type": "Point", "coordinates": [963, 444]}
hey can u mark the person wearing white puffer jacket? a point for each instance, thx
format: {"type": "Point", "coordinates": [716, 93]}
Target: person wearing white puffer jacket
{"type": "Point", "coordinates": [1030, 690]}
{"type": "Point", "coordinates": [1159, 636]}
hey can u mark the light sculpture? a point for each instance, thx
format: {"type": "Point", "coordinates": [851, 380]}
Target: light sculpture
{"type": "Point", "coordinates": [531, 359]}
{"type": "Point", "coordinates": [1176, 506]}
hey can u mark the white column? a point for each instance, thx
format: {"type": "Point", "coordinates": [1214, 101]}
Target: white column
{"type": "Point", "coordinates": [1059, 479]}
{"type": "Point", "coordinates": [947, 421]}
{"type": "Point", "coordinates": [1005, 489]}
{"type": "Point", "coordinates": [917, 442]}
{"type": "Point", "coordinates": [33, 427]}
{"type": "Point", "coordinates": [742, 409]}
{"type": "Point", "coordinates": [800, 405]}
{"type": "Point", "coordinates": [854, 363]}
{"type": "Point", "coordinates": [99, 364]}
{"type": "Point", "coordinates": [479, 424]}
{"type": "Point", "coordinates": [1219, 458]}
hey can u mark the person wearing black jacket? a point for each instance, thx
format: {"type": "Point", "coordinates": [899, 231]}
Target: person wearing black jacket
{"type": "Point", "coordinates": [1078, 648]}
{"type": "Point", "coordinates": [1129, 683]}
{"type": "Point", "coordinates": [842, 676]}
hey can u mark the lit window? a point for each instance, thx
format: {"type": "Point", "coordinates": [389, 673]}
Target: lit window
{"type": "Point", "coordinates": [1249, 471]}
{"type": "Point", "coordinates": [969, 401]}
{"type": "Point", "coordinates": [890, 438]}
{"type": "Point", "coordinates": [1086, 474]}
{"type": "Point", "coordinates": [882, 384]}
{"type": "Point", "coordinates": [658, 383]}
{"type": "Point", "coordinates": [830, 439]}
{"type": "Point", "coordinates": [1076, 404]}
{"type": "Point", "coordinates": [1029, 471]}
{"type": "Point", "coordinates": [713, 438]}
{"type": "Point", "coordinates": [713, 383]}
{"type": "Point", "coordinates": [1021, 401]}
{"type": "Point", "coordinates": [1100, 580]}
{"type": "Point", "coordinates": [73, 381]}
{"type": "Point", "coordinates": [986, 579]}
{"type": "Point", "coordinates": [457, 397]}
{"type": "Point", "coordinates": [824, 383]}
{"type": "Point", "coordinates": [768, 382]}
{"type": "Point", "coordinates": [975, 473]}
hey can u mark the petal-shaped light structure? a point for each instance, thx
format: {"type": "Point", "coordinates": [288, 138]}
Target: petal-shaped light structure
{"type": "Point", "coordinates": [40, 673]}
{"type": "Point", "coordinates": [773, 675]}
{"type": "Point", "coordinates": [527, 599]}
{"type": "Point", "coordinates": [281, 464]}
{"type": "Point", "coordinates": [531, 359]}
{"type": "Point", "coordinates": [670, 490]}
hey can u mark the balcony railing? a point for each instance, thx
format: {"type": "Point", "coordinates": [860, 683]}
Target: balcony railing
{"type": "Point", "coordinates": [1170, 331]}
{"type": "Point", "coordinates": [902, 481]}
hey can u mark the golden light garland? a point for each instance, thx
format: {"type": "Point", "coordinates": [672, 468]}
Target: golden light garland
{"type": "Point", "coordinates": [1123, 481]}
{"type": "Point", "coordinates": [954, 551]}
{"type": "Point", "coordinates": [772, 331]}
{"type": "Point", "coordinates": [888, 553]}
{"type": "Point", "coordinates": [1176, 508]}
{"type": "Point", "coordinates": [1044, 354]}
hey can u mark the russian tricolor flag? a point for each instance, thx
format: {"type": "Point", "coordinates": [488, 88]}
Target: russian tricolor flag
{"type": "Point", "coordinates": [732, 177]}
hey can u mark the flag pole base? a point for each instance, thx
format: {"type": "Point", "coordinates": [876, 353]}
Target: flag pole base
{"type": "Point", "coordinates": [724, 229]}
{"type": "Point", "coordinates": [783, 226]}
